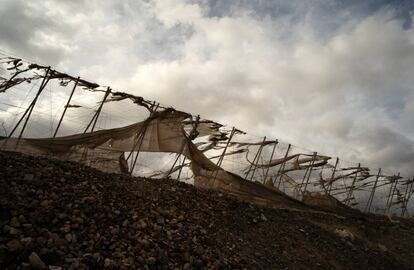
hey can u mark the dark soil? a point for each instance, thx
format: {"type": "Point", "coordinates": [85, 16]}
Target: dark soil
{"type": "Point", "coordinates": [60, 215]}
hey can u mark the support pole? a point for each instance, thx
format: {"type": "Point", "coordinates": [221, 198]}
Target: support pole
{"type": "Point", "coordinates": [224, 151]}
{"type": "Point", "coordinates": [66, 107]}
{"type": "Point", "coordinates": [333, 175]}
{"type": "Point", "coordinates": [270, 160]}
{"type": "Point", "coordinates": [351, 189]}
{"type": "Point", "coordinates": [181, 168]}
{"type": "Point", "coordinates": [254, 160]}
{"type": "Point", "coordinates": [225, 148]}
{"type": "Point", "coordinates": [29, 109]}
{"type": "Point", "coordinates": [95, 117]}
{"type": "Point", "coordinates": [371, 196]}
{"type": "Point", "coordinates": [282, 166]}
{"type": "Point", "coordinates": [258, 157]}
{"type": "Point", "coordinates": [192, 136]}
{"type": "Point", "coordinates": [407, 198]}
{"type": "Point", "coordinates": [140, 139]}
{"type": "Point", "coordinates": [310, 170]}
{"type": "Point", "coordinates": [391, 195]}
{"type": "Point", "coordinates": [182, 148]}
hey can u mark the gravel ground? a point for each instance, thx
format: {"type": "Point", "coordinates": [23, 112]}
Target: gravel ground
{"type": "Point", "coordinates": [56, 215]}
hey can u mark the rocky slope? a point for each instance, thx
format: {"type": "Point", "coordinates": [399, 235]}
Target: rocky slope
{"type": "Point", "coordinates": [56, 215]}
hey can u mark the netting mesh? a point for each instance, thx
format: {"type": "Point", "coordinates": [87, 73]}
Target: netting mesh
{"type": "Point", "coordinates": [48, 99]}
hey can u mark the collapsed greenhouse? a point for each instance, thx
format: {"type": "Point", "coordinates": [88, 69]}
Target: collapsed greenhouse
{"type": "Point", "coordinates": [184, 147]}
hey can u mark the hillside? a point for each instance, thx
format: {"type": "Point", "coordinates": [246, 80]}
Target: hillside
{"type": "Point", "coordinates": [67, 216]}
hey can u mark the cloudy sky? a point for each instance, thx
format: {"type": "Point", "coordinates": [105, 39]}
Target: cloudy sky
{"type": "Point", "coordinates": [332, 76]}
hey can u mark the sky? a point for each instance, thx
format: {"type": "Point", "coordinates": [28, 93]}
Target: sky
{"type": "Point", "coordinates": [330, 76]}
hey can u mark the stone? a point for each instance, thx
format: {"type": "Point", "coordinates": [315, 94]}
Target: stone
{"type": "Point", "coordinates": [14, 245]}
{"type": "Point", "coordinates": [14, 222]}
{"type": "Point", "coordinates": [54, 267]}
{"type": "Point", "coordinates": [26, 240]}
{"type": "Point", "coordinates": [344, 233]}
{"type": "Point", "coordinates": [68, 237]}
{"type": "Point", "coordinates": [28, 177]}
{"type": "Point", "coordinates": [13, 231]}
{"type": "Point", "coordinates": [36, 262]}
{"type": "Point", "coordinates": [108, 263]}
{"type": "Point", "coordinates": [382, 247]}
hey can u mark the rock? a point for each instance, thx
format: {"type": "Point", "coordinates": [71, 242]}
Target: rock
{"type": "Point", "coordinates": [26, 240]}
{"type": "Point", "coordinates": [13, 231]}
{"type": "Point", "coordinates": [108, 263]}
{"type": "Point", "coordinates": [160, 220]}
{"type": "Point", "coordinates": [36, 262]}
{"type": "Point", "coordinates": [28, 177]}
{"type": "Point", "coordinates": [382, 247]}
{"type": "Point", "coordinates": [22, 219]}
{"type": "Point", "coordinates": [14, 222]}
{"type": "Point", "coordinates": [44, 203]}
{"type": "Point", "coordinates": [263, 217]}
{"type": "Point", "coordinates": [14, 245]}
{"type": "Point", "coordinates": [68, 237]}
{"type": "Point", "coordinates": [344, 233]}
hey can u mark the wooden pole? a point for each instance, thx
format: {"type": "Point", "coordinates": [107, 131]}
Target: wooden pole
{"type": "Point", "coordinates": [182, 149]}
{"type": "Point", "coordinates": [282, 166]}
{"type": "Point", "coordinates": [225, 148]}
{"type": "Point", "coordinates": [310, 170]}
{"type": "Point", "coordinates": [95, 117]}
{"type": "Point", "coordinates": [351, 189]}
{"type": "Point", "coordinates": [254, 160]}
{"type": "Point", "coordinates": [29, 109]}
{"type": "Point", "coordinates": [407, 198]}
{"type": "Point", "coordinates": [224, 151]}
{"type": "Point", "coordinates": [270, 160]}
{"type": "Point", "coordinates": [391, 195]}
{"type": "Point", "coordinates": [333, 175]}
{"type": "Point", "coordinates": [66, 107]}
{"type": "Point", "coordinates": [258, 157]}
{"type": "Point", "coordinates": [191, 137]}
{"type": "Point", "coordinates": [140, 139]}
{"type": "Point", "coordinates": [371, 196]}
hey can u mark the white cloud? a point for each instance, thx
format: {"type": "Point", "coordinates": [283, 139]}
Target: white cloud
{"type": "Point", "coordinates": [346, 93]}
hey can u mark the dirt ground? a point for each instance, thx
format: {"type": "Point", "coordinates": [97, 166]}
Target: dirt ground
{"type": "Point", "coordinates": [56, 215]}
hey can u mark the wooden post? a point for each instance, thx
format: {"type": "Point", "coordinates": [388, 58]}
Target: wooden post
{"type": "Point", "coordinates": [224, 151]}
{"type": "Point", "coordinates": [259, 152]}
{"type": "Point", "coordinates": [391, 194]}
{"type": "Point", "coordinates": [29, 109]}
{"type": "Point", "coordinates": [407, 197]}
{"type": "Point", "coordinates": [140, 139]}
{"type": "Point", "coordinates": [66, 107]}
{"type": "Point", "coordinates": [333, 175]}
{"type": "Point", "coordinates": [270, 160]}
{"type": "Point", "coordinates": [191, 137]}
{"type": "Point", "coordinates": [371, 196]}
{"type": "Point", "coordinates": [182, 149]}
{"type": "Point", "coordinates": [225, 148]}
{"type": "Point", "coordinates": [351, 189]}
{"type": "Point", "coordinates": [310, 170]}
{"type": "Point", "coordinates": [254, 160]}
{"type": "Point", "coordinates": [282, 166]}
{"type": "Point", "coordinates": [95, 117]}
{"type": "Point", "coordinates": [404, 197]}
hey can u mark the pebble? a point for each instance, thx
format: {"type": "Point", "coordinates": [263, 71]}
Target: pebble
{"type": "Point", "coordinates": [36, 262]}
